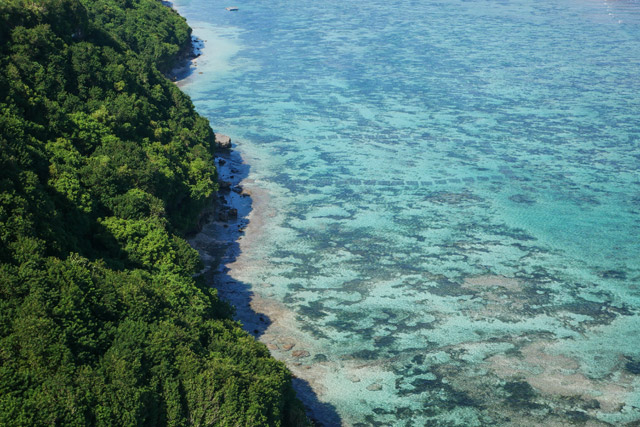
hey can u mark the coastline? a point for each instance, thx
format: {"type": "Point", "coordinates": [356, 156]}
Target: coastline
{"type": "Point", "coordinates": [225, 245]}
{"type": "Point", "coordinates": [223, 242]}
{"type": "Point", "coordinates": [183, 65]}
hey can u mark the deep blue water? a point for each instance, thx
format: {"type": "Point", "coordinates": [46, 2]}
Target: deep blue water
{"type": "Point", "coordinates": [446, 201]}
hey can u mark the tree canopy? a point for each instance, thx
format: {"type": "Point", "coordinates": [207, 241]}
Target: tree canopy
{"type": "Point", "coordinates": [104, 165]}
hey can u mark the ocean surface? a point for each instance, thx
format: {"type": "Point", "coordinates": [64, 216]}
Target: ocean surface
{"type": "Point", "coordinates": [444, 221]}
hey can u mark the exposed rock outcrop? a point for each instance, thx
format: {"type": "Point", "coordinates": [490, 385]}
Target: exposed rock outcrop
{"type": "Point", "coordinates": [223, 142]}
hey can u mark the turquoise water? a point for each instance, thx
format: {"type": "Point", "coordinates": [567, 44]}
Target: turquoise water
{"type": "Point", "coordinates": [445, 216]}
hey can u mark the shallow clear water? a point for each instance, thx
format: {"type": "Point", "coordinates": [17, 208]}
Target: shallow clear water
{"type": "Point", "coordinates": [451, 201]}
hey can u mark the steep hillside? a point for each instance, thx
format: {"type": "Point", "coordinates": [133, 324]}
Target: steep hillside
{"type": "Point", "coordinates": [103, 165]}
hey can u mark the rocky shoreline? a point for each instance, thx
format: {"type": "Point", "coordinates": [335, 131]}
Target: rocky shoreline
{"type": "Point", "coordinates": [219, 208]}
{"type": "Point", "coordinates": [220, 238]}
{"type": "Point", "coordinates": [183, 65]}
{"type": "Point", "coordinates": [226, 243]}
{"type": "Point", "coordinates": [227, 166]}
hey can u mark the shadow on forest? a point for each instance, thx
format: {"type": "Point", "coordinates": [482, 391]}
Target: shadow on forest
{"type": "Point", "coordinates": [218, 242]}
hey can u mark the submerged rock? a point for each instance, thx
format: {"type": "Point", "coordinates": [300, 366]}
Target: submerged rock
{"type": "Point", "coordinates": [374, 387]}
{"type": "Point", "coordinates": [632, 366]}
{"type": "Point", "coordinates": [320, 358]}
{"type": "Point", "coordinates": [300, 353]}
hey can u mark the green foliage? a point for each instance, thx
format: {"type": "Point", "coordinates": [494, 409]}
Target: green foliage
{"type": "Point", "coordinates": [104, 164]}
{"type": "Point", "coordinates": [156, 33]}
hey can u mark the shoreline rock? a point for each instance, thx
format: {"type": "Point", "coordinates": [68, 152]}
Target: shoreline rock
{"type": "Point", "coordinates": [223, 142]}
{"type": "Point", "coordinates": [180, 69]}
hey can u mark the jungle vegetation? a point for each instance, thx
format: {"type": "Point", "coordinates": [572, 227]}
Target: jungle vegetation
{"type": "Point", "coordinates": [104, 166]}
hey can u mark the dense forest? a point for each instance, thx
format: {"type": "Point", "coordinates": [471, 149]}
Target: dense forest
{"type": "Point", "coordinates": [104, 165]}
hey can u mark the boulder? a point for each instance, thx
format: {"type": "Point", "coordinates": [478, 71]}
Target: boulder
{"type": "Point", "coordinates": [226, 213]}
{"type": "Point", "coordinates": [223, 142]}
{"type": "Point", "coordinates": [300, 353]}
